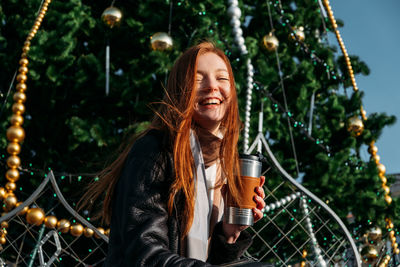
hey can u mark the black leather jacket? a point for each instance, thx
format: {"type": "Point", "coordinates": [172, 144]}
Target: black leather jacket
{"type": "Point", "coordinates": [142, 232]}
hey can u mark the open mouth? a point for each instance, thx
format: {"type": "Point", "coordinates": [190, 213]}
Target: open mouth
{"type": "Point", "coordinates": [210, 101]}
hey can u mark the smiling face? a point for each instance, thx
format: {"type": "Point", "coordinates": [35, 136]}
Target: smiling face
{"type": "Point", "coordinates": [213, 91]}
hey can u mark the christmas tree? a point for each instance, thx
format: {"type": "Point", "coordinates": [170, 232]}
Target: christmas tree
{"type": "Point", "coordinates": [76, 115]}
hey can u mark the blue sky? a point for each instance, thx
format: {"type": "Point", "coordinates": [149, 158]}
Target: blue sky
{"type": "Point", "coordinates": [371, 31]}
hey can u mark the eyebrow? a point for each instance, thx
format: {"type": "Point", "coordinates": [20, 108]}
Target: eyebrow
{"type": "Point", "coordinates": [217, 70]}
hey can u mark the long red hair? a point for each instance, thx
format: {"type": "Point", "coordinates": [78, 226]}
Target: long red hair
{"type": "Point", "coordinates": [175, 117]}
{"type": "Point", "coordinates": [176, 113]}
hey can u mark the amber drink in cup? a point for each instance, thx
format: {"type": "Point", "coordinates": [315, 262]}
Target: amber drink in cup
{"type": "Point", "coordinates": [241, 213]}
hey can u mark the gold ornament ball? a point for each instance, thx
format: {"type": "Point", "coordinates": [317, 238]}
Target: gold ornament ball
{"type": "Point", "coordinates": [23, 69]}
{"type": "Point", "coordinates": [88, 232]}
{"type": "Point", "coordinates": [50, 221]}
{"type": "Point", "coordinates": [18, 108]}
{"type": "Point", "coordinates": [17, 120]}
{"type": "Point", "coordinates": [388, 199]}
{"type": "Point", "coordinates": [385, 261]}
{"type": "Point", "coordinates": [107, 232]}
{"type": "Point", "coordinates": [101, 230]}
{"type": "Point", "coordinates": [369, 254]}
{"type": "Point", "coordinates": [21, 78]}
{"type": "Point", "coordinates": [390, 225]}
{"type": "Point", "coordinates": [376, 158]}
{"type": "Point", "coordinates": [35, 216]}
{"type": "Point", "coordinates": [12, 175]}
{"type": "Point", "coordinates": [270, 42]}
{"type": "Point", "coordinates": [23, 62]}
{"type": "Point", "coordinates": [381, 168]}
{"type": "Point", "coordinates": [299, 33]}
{"type": "Point", "coordinates": [4, 224]}
{"type": "Point", "coordinates": [3, 193]}
{"type": "Point", "coordinates": [25, 49]}
{"type": "Point", "coordinates": [383, 179]}
{"type": "Point", "coordinates": [63, 226]}
{"type": "Point", "coordinates": [355, 126]}
{"type": "Point", "coordinates": [373, 150]}
{"type": "Point", "coordinates": [11, 187]}
{"type": "Point", "coordinates": [15, 134]}
{"type": "Point", "coordinates": [21, 87]}
{"type": "Point", "coordinates": [374, 235]}
{"type": "Point", "coordinates": [3, 240]}
{"type": "Point", "coordinates": [24, 210]}
{"type": "Point", "coordinates": [10, 201]}
{"type": "Point", "coordinates": [111, 16]}
{"type": "Point", "coordinates": [13, 162]}
{"type": "Point", "coordinates": [76, 229]}
{"type": "Point", "coordinates": [161, 41]}
{"type": "Point", "coordinates": [13, 148]}
{"type": "Point", "coordinates": [19, 97]}
{"type": "Point", "coordinates": [386, 189]}
{"type": "Point", "coordinates": [395, 245]}
{"type": "Point", "coordinates": [364, 114]}
{"type": "Point", "coordinates": [397, 251]}
{"type": "Point", "coordinates": [391, 234]}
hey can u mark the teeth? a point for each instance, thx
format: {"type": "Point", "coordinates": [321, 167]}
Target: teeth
{"type": "Point", "coordinates": [211, 102]}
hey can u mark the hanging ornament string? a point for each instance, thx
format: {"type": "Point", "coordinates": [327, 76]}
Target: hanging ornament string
{"type": "Point", "coordinates": [15, 133]}
{"type": "Point", "coordinates": [111, 17]}
{"type": "Point", "coordinates": [278, 63]}
{"type": "Point", "coordinates": [341, 44]}
{"type": "Point", "coordinates": [235, 14]}
{"type": "Point", "coordinates": [372, 148]}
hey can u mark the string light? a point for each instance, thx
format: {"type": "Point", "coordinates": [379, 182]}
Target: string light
{"type": "Point", "coordinates": [296, 124]}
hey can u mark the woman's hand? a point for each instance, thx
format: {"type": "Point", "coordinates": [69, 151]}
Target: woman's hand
{"type": "Point", "coordinates": [259, 199]}
{"type": "Point", "coordinates": [232, 231]}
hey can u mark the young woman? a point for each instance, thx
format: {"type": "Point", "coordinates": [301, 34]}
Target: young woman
{"type": "Point", "coordinates": [165, 193]}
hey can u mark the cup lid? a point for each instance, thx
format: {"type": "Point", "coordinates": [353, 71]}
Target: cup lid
{"type": "Point", "coordinates": [249, 157]}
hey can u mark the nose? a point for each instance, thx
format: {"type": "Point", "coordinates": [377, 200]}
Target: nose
{"type": "Point", "coordinates": [211, 84]}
